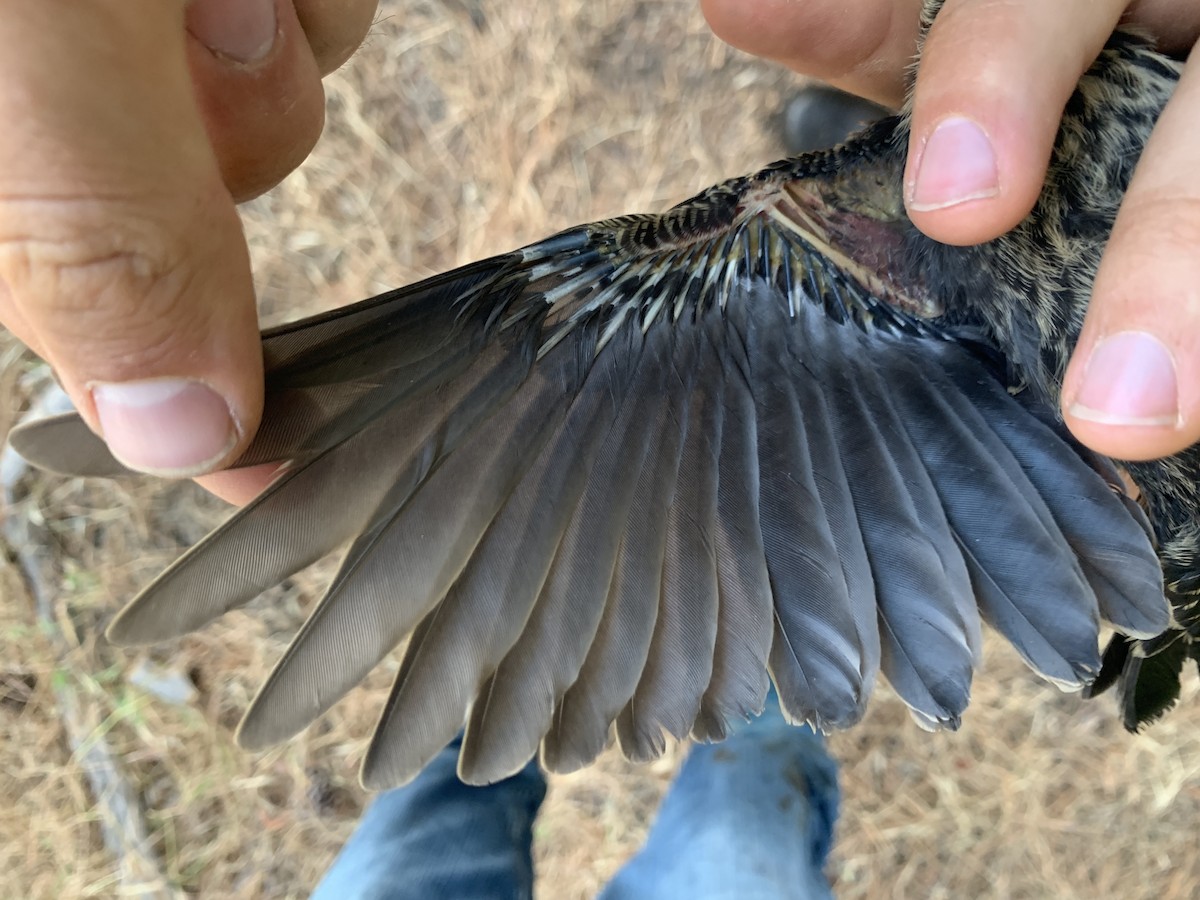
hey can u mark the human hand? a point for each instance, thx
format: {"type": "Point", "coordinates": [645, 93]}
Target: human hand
{"type": "Point", "coordinates": [131, 129]}
{"type": "Point", "coordinates": [997, 76]}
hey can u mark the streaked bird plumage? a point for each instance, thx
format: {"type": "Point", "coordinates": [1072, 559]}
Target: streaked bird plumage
{"type": "Point", "coordinates": [622, 479]}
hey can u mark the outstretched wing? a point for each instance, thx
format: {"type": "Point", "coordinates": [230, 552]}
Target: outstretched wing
{"type": "Point", "coordinates": [626, 475]}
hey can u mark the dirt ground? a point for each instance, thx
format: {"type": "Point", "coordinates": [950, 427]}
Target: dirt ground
{"type": "Point", "coordinates": [463, 129]}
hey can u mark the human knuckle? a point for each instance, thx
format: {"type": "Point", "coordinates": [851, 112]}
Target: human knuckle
{"type": "Point", "coordinates": [1168, 223]}
{"type": "Point", "coordinates": [80, 261]}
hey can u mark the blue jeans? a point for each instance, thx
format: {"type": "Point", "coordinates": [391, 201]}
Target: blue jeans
{"type": "Point", "coordinates": [749, 819]}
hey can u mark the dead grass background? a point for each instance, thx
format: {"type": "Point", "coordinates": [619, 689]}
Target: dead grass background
{"type": "Point", "coordinates": [459, 130]}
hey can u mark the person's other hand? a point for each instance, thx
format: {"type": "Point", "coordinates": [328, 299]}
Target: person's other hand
{"type": "Point", "coordinates": [993, 82]}
{"type": "Point", "coordinates": [131, 127]}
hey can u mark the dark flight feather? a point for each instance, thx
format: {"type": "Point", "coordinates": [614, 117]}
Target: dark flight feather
{"type": "Point", "coordinates": [679, 665]}
{"type": "Point", "coordinates": [513, 708]}
{"type": "Point", "coordinates": [745, 623]}
{"type": "Point", "coordinates": [590, 559]}
{"type": "Point", "coordinates": [825, 652]}
{"type": "Point", "coordinates": [928, 620]}
{"type": "Point", "coordinates": [620, 479]}
{"type": "Point", "coordinates": [637, 579]}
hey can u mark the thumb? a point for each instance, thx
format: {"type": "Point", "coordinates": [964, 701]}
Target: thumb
{"type": "Point", "coordinates": [122, 259]}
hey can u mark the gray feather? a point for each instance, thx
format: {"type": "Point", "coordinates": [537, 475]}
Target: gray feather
{"type": "Point", "coordinates": [744, 614]}
{"type": "Point", "coordinates": [1029, 586]}
{"type": "Point", "coordinates": [619, 475]}
{"type": "Point", "coordinates": [404, 564]}
{"type": "Point", "coordinates": [331, 375]}
{"type": "Point", "coordinates": [618, 655]}
{"type": "Point", "coordinates": [585, 571]}
{"type": "Point", "coordinates": [64, 445]}
{"type": "Point", "coordinates": [514, 707]}
{"type": "Point", "coordinates": [679, 665]}
{"type": "Point", "coordinates": [274, 536]}
{"type": "Point", "coordinates": [824, 644]}
{"type": "Point", "coordinates": [491, 585]}
{"type": "Point", "coordinates": [1115, 553]}
{"type": "Point", "coordinates": [638, 579]}
{"type": "Point", "coordinates": [928, 621]}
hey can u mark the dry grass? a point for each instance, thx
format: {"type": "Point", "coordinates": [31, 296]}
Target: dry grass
{"type": "Point", "coordinates": [463, 129]}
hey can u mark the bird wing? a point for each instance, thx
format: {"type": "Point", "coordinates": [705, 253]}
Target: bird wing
{"type": "Point", "coordinates": [628, 475]}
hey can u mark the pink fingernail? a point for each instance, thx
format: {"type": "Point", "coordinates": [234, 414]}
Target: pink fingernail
{"type": "Point", "coordinates": [1129, 380]}
{"type": "Point", "coordinates": [957, 164]}
{"type": "Point", "coordinates": [243, 30]}
{"type": "Point", "coordinates": [170, 426]}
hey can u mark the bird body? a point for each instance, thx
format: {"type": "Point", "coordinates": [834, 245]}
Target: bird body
{"type": "Point", "coordinates": [624, 477]}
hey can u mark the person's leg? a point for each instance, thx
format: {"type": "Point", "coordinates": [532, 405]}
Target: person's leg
{"type": "Point", "coordinates": [439, 838]}
{"type": "Point", "coordinates": [749, 819]}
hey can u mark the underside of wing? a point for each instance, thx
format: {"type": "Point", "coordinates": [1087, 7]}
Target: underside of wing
{"type": "Point", "coordinates": [605, 491]}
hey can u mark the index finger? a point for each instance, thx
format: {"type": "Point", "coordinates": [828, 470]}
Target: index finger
{"type": "Point", "coordinates": [1133, 387]}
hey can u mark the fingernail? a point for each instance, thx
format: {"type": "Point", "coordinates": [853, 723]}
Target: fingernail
{"type": "Point", "coordinates": [169, 426]}
{"type": "Point", "coordinates": [957, 164]}
{"type": "Point", "coordinates": [1129, 380]}
{"type": "Point", "coordinates": [243, 30]}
